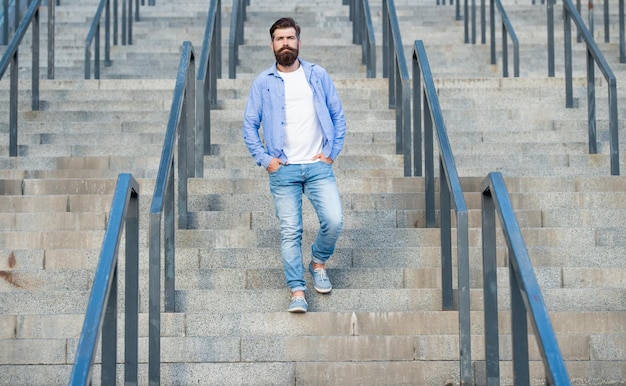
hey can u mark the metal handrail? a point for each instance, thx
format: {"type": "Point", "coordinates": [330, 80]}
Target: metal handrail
{"type": "Point", "coordinates": [594, 56]}
{"type": "Point", "coordinates": [395, 68]}
{"type": "Point", "coordinates": [507, 30]}
{"type": "Point", "coordinates": [622, 37]}
{"type": "Point", "coordinates": [10, 58]}
{"type": "Point", "coordinates": [526, 300]}
{"type": "Point", "coordinates": [450, 192]}
{"type": "Point", "coordinates": [235, 38]}
{"type": "Point", "coordinates": [93, 36]}
{"type": "Point", "coordinates": [209, 70]}
{"type": "Point", "coordinates": [363, 34]}
{"type": "Point", "coordinates": [101, 314]}
{"type": "Point", "coordinates": [180, 129]}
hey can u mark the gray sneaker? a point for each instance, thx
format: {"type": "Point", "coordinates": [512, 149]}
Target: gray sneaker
{"type": "Point", "coordinates": [321, 282]}
{"type": "Point", "coordinates": [298, 304]}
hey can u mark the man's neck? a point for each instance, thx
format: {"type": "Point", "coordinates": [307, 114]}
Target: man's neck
{"type": "Point", "coordinates": [291, 68]}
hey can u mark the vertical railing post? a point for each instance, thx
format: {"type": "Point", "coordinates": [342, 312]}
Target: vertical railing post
{"type": "Point", "coordinates": [483, 23]}
{"type": "Point", "coordinates": [130, 22]}
{"type": "Point", "coordinates": [591, 103]}
{"type": "Point", "coordinates": [606, 22]}
{"type": "Point", "coordinates": [16, 14]}
{"type": "Point", "coordinates": [154, 306]}
{"type": "Point", "coordinates": [96, 58]}
{"type": "Point", "coordinates": [5, 22]}
{"type": "Point", "coordinates": [429, 166]}
{"type": "Point", "coordinates": [614, 127]}
{"type": "Point", "coordinates": [492, 36]}
{"type": "Point", "coordinates": [116, 26]}
{"type": "Point", "coordinates": [417, 117]}
{"type": "Point", "coordinates": [125, 17]}
{"type": "Point", "coordinates": [51, 37]}
{"type": "Point", "coordinates": [13, 105]}
{"type": "Point", "coordinates": [107, 34]}
{"type": "Point", "coordinates": [35, 61]}
{"type": "Point", "coordinates": [169, 243]}
{"type": "Point", "coordinates": [131, 297]}
{"type": "Point", "coordinates": [551, 49]}
{"type": "Point", "coordinates": [403, 118]}
{"type": "Point", "coordinates": [490, 290]}
{"type": "Point", "coordinates": [386, 43]}
{"type": "Point", "coordinates": [505, 53]}
{"type": "Point", "coordinates": [569, 92]}
{"type": "Point", "coordinates": [519, 331]}
{"type": "Point", "coordinates": [463, 284]}
{"type": "Point", "coordinates": [446, 241]}
{"type": "Point", "coordinates": [108, 367]}
{"type": "Point", "coordinates": [622, 37]}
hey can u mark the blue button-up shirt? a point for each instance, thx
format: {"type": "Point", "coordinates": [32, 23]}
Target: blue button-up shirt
{"type": "Point", "coordinates": [266, 103]}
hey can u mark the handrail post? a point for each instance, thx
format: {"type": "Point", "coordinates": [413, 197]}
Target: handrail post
{"type": "Point", "coordinates": [5, 22]}
{"type": "Point", "coordinates": [622, 38]}
{"type": "Point", "coordinates": [107, 34]}
{"type": "Point", "coordinates": [492, 32]}
{"type": "Point", "coordinates": [154, 306]}
{"type": "Point", "coordinates": [519, 331]}
{"type": "Point", "coordinates": [483, 23]}
{"type": "Point", "coordinates": [490, 292]}
{"type": "Point", "coordinates": [429, 166]}
{"type": "Point", "coordinates": [606, 22]}
{"type": "Point", "coordinates": [131, 297]}
{"type": "Point", "coordinates": [569, 92]}
{"type": "Point", "coordinates": [108, 369]}
{"type": "Point", "coordinates": [614, 127]}
{"type": "Point", "coordinates": [445, 230]}
{"type": "Point", "coordinates": [463, 284]}
{"type": "Point", "coordinates": [591, 103]}
{"type": "Point", "coordinates": [35, 62]}
{"type": "Point", "coordinates": [386, 44]}
{"type": "Point", "coordinates": [13, 102]}
{"type": "Point", "coordinates": [551, 49]}
{"type": "Point", "coordinates": [417, 117]}
{"type": "Point", "coordinates": [51, 38]}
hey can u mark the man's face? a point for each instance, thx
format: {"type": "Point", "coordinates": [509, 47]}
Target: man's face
{"type": "Point", "coordinates": [286, 46]}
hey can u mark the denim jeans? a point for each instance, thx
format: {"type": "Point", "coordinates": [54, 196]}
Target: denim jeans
{"type": "Point", "coordinates": [317, 181]}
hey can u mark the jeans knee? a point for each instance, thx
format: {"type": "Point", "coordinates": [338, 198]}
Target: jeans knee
{"type": "Point", "coordinates": [334, 224]}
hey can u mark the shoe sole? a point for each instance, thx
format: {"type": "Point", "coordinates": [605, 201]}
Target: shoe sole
{"type": "Point", "coordinates": [297, 310]}
{"type": "Point", "coordinates": [323, 290]}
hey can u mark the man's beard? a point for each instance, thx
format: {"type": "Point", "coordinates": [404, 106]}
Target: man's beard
{"type": "Point", "coordinates": [286, 57]}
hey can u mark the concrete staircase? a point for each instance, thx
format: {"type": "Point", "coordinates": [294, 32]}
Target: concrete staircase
{"type": "Point", "coordinates": [382, 323]}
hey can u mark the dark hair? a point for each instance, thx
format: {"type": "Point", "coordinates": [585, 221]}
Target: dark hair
{"type": "Point", "coordinates": [285, 22]}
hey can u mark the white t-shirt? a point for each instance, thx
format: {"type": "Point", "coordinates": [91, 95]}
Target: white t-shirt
{"type": "Point", "coordinates": [303, 134]}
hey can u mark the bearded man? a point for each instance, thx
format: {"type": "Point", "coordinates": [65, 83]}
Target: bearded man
{"type": "Point", "coordinates": [303, 130]}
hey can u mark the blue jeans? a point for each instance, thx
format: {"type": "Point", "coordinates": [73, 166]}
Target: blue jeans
{"type": "Point", "coordinates": [317, 181]}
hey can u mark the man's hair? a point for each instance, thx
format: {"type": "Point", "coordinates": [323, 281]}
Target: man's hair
{"type": "Point", "coordinates": [285, 22]}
